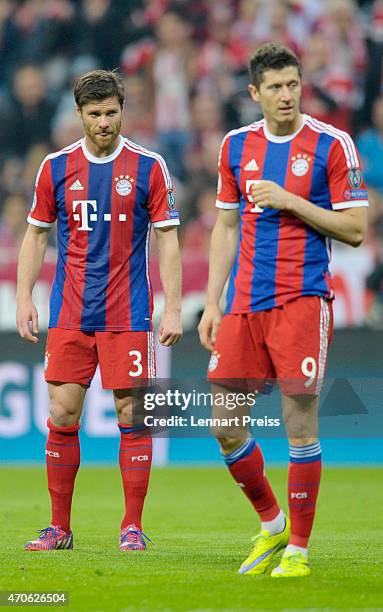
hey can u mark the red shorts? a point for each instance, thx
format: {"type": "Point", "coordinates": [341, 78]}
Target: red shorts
{"type": "Point", "coordinates": [288, 344]}
{"type": "Point", "coordinates": [126, 359]}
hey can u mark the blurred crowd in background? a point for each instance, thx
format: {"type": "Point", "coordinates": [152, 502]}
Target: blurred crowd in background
{"type": "Point", "coordinates": [184, 64]}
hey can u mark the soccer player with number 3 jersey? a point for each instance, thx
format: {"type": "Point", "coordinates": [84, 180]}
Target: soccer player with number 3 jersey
{"type": "Point", "coordinates": [287, 184]}
{"type": "Point", "coordinates": [105, 192]}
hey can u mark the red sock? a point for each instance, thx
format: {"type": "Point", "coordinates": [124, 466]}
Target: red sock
{"type": "Point", "coordinates": [135, 464]}
{"type": "Point", "coordinates": [303, 485]}
{"type": "Point", "coordinates": [246, 465]}
{"type": "Point", "coordinates": [62, 455]}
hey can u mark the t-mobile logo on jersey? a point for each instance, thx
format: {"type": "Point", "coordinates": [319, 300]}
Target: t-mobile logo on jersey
{"type": "Point", "coordinates": [84, 217]}
{"type": "Point", "coordinates": [302, 495]}
{"type": "Point", "coordinates": [140, 458]}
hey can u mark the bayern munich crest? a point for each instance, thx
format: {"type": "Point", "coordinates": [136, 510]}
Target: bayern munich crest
{"type": "Point", "coordinates": [301, 164]}
{"type": "Point", "coordinates": [124, 185]}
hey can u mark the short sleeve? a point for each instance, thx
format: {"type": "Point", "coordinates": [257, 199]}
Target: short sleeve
{"type": "Point", "coordinates": [228, 195]}
{"type": "Point", "coordinates": [346, 183]}
{"type": "Point", "coordinates": [161, 204]}
{"type": "Point", "coordinates": [44, 211]}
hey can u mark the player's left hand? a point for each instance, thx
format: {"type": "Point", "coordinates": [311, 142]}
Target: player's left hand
{"type": "Point", "coordinates": [170, 330]}
{"type": "Point", "coordinates": [267, 194]}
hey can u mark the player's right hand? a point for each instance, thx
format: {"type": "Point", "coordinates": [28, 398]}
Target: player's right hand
{"type": "Point", "coordinates": [27, 318]}
{"type": "Point", "coordinates": [209, 325]}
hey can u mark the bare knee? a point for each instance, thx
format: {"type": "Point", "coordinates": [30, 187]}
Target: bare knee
{"type": "Point", "coordinates": [63, 415]}
{"type": "Point", "coordinates": [124, 413]}
{"type": "Point", "coordinates": [129, 405]}
{"type": "Point", "coordinates": [297, 427]}
{"type": "Point", "coordinates": [66, 402]}
{"type": "Point", "coordinates": [229, 442]}
{"type": "Point", "coordinates": [300, 418]}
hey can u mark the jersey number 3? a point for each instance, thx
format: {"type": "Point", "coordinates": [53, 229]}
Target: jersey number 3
{"type": "Point", "coordinates": [137, 363]}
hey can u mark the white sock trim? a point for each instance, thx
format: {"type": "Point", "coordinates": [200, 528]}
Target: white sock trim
{"type": "Point", "coordinates": [291, 548]}
{"type": "Point", "coordinates": [276, 525]}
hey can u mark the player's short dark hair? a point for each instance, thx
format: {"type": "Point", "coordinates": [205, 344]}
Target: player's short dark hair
{"type": "Point", "coordinates": [271, 56]}
{"type": "Point", "coordinates": [98, 85]}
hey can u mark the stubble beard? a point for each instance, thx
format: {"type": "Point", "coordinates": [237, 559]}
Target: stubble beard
{"type": "Point", "coordinates": [105, 144]}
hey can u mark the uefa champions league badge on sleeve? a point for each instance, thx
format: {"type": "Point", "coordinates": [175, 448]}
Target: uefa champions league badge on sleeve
{"type": "Point", "coordinates": [171, 200]}
{"type": "Point", "coordinates": [172, 214]}
{"type": "Point", "coordinates": [356, 194]}
{"type": "Point", "coordinates": [355, 178]}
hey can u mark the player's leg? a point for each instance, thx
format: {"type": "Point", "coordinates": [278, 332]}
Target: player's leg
{"type": "Point", "coordinates": [62, 453]}
{"type": "Point", "coordinates": [127, 364]}
{"type": "Point", "coordinates": [135, 459]}
{"type": "Point", "coordinates": [63, 447]}
{"type": "Point", "coordinates": [70, 365]}
{"type": "Point", "coordinates": [236, 363]}
{"type": "Point", "coordinates": [305, 466]}
{"type": "Point", "coordinates": [244, 459]}
{"type": "Point", "coordinates": [300, 362]}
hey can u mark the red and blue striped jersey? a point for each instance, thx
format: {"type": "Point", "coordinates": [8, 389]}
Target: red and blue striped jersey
{"type": "Point", "coordinates": [104, 208]}
{"type": "Point", "coordinates": [279, 257]}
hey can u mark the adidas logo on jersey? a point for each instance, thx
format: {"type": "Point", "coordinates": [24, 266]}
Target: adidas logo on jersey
{"type": "Point", "coordinates": [76, 186]}
{"type": "Point", "coordinates": [251, 165]}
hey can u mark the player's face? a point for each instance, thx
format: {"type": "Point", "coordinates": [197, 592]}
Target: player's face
{"type": "Point", "coordinates": [102, 124]}
{"type": "Point", "coordinates": [279, 96]}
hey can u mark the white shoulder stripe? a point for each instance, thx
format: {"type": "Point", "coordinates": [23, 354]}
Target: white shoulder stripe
{"type": "Point", "coordinates": [246, 128]}
{"type": "Point", "coordinates": [72, 146]}
{"type": "Point", "coordinates": [141, 150]}
{"type": "Point", "coordinates": [65, 151]}
{"type": "Point", "coordinates": [257, 125]}
{"type": "Point", "coordinates": [131, 146]}
{"type": "Point", "coordinates": [344, 139]}
{"type": "Point", "coordinates": [251, 127]}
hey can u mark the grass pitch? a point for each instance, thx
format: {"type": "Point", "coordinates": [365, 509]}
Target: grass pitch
{"type": "Point", "coordinates": [201, 525]}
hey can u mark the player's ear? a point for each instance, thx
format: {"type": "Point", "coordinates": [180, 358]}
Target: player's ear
{"type": "Point", "coordinates": [253, 91]}
{"type": "Point", "coordinates": [78, 111]}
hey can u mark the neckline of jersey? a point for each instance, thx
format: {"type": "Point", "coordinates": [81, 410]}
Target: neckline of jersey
{"type": "Point", "coordinates": [288, 137]}
{"type": "Point", "coordinates": [102, 160]}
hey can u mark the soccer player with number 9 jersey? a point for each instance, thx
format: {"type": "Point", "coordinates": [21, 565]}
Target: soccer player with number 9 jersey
{"type": "Point", "coordinates": [105, 192]}
{"type": "Point", "coordinates": [287, 184]}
